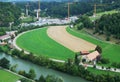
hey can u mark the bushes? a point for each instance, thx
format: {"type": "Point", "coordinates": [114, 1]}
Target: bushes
{"type": "Point", "coordinates": [99, 49]}
{"type": "Point", "coordinates": [104, 61]}
{"type": "Point", "coordinates": [25, 80]}
{"type": "Point", "coordinates": [5, 63]}
{"type": "Point", "coordinates": [108, 38]}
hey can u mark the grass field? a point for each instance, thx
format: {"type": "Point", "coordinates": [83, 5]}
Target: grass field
{"type": "Point", "coordinates": [7, 76]}
{"type": "Point", "coordinates": [98, 15]}
{"type": "Point", "coordinates": [27, 20]}
{"type": "Point", "coordinates": [38, 42]}
{"type": "Point", "coordinates": [110, 51]}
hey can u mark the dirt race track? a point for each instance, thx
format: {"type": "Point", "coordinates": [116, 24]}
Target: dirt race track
{"type": "Point", "coordinates": [59, 34]}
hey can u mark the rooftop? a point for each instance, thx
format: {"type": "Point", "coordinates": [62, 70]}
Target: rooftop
{"type": "Point", "coordinates": [4, 37]}
{"type": "Point", "coordinates": [93, 55]}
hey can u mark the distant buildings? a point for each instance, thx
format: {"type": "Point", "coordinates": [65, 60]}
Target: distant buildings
{"type": "Point", "coordinates": [50, 21]}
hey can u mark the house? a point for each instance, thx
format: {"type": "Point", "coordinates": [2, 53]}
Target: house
{"type": "Point", "coordinates": [3, 39]}
{"type": "Point", "coordinates": [92, 56]}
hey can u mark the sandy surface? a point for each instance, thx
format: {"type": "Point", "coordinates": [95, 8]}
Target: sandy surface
{"type": "Point", "coordinates": [59, 34]}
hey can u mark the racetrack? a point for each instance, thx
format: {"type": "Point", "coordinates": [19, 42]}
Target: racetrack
{"type": "Point", "coordinates": [59, 34]}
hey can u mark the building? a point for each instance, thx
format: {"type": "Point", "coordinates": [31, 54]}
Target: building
{"type": "Point", "coordinates": [92, 56]}
{"type": "Point", "coordinates": [11, 33]}
{"type": "Point", "coordinates": [4, 39]}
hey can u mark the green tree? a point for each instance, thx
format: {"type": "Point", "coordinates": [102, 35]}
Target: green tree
{"type": "Point", "coordinates": [5, 63]}
{"type": "Point", "coordinates": [25, 80]}
{"type": "Point", "coordinates": [31, 74]}
{"type": "Point", "coordinates": [41, 79]}
{"type": "Point", "coordinates": [77, 60]}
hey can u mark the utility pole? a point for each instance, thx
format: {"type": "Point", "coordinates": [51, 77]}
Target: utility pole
{"type": "Point", "coordinates": [95, 8]}
{"type": "Point", "coordinates": [68, 11]}
{"type": "Point", "coordinates": [38, 11]}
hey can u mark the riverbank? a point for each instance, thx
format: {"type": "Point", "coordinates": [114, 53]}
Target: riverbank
{"type": "Point", "coordinates": [26, 65]}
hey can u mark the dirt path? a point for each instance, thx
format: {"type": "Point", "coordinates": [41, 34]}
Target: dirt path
{"type": "Point", "coordinates": [59, 34]}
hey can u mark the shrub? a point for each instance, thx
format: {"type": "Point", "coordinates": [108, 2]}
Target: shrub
{"type": "Point", "coordinates": [105, 61]}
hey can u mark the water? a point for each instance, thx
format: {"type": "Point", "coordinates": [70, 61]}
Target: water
{"type": "Point", "coordinates": [25, 65]}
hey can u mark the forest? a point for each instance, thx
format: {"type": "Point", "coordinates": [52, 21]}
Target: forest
{"type": "Point", "coordinates": [109, 25]}
{"type": "Point", "coordinates": [9, 13]}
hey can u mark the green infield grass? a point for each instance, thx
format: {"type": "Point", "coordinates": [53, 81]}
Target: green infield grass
{"type": "Point", "coordinates": [39, 43]}
{"type": "Point", "coordinates": [7, 76]}
{"type": "Point", "coordinates": [109, 50]}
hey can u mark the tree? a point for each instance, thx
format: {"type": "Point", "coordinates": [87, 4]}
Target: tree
{"type": "Point", "coordinates": [25, 80]}
{"type": "Point", "coordinates": [69, 62]}
{"type": "Point", "coordinates": [99, 49]}
{"type": "Point", "coordinates": [16, 52]}
{"type": "Point", "coordinates": [77, 60]}
{"type": "Point", "coordinates": [5, 63]}
{"type": "Point", "coordinates": [13, 68]}
{"type": "Point", "coordinates": [50, 78]}
{"type": "Point", "coordinates": [104, 61]}
{"type": "Point", "coordinates": [1, 50]}
{"type": "Point", "coordinates": [22, 72]}
{"type": "Point", "coordinates": [31, 74]}
{"type": "Point", "coordinates": [41, 79]}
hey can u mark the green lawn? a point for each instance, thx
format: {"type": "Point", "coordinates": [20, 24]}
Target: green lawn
{"type": "Point", "coordinates": [111, 51]}
{"type": "Point", "coordinates": [98, 15]}
{"type": "Point", "coordinates": [38, 42]}
{"type": "Point", "coordinates": [7, 76]}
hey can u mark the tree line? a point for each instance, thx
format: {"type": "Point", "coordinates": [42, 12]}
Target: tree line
{"type": "Point", "coordinates": [109, 25]}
